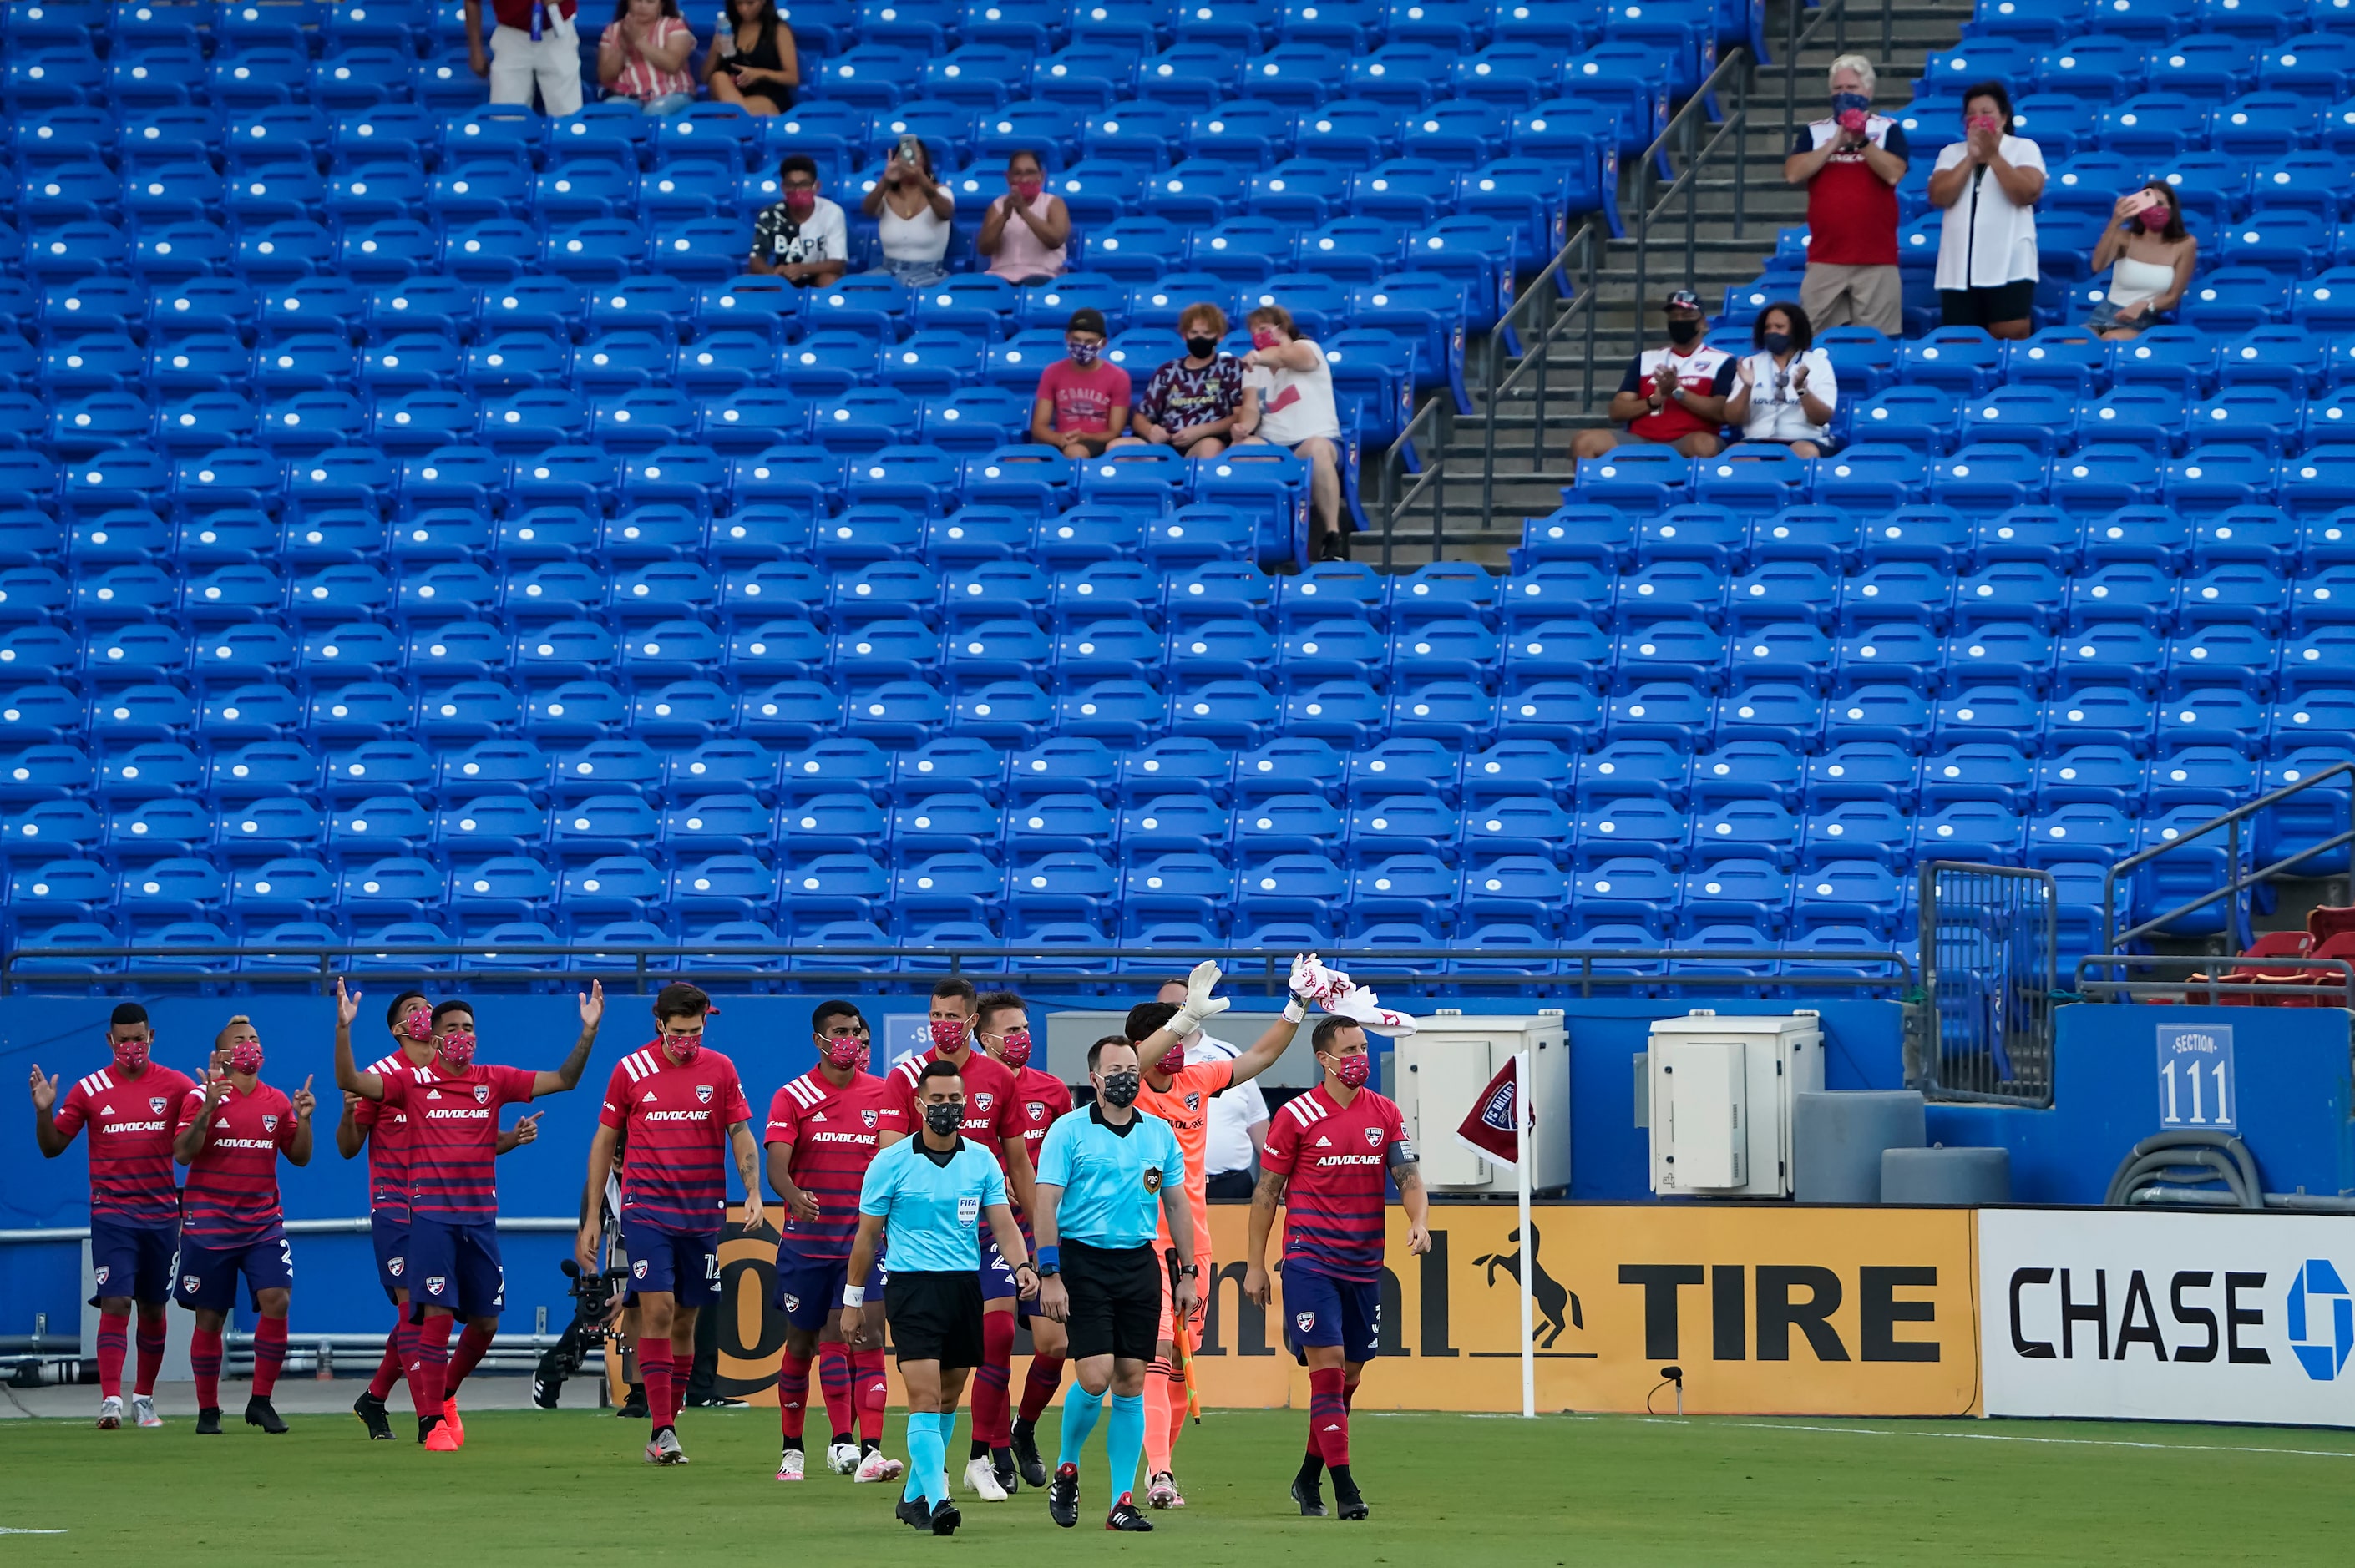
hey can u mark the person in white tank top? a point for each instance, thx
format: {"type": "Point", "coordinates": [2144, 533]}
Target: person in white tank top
{"type": "Point", "coordinates": [2149, 258]}
{"type": "Point", "coordinates": [1297, 412]}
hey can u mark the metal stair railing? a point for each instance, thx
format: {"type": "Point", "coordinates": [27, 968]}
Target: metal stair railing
{"type": "Point", "coordinates": [2241, 882]}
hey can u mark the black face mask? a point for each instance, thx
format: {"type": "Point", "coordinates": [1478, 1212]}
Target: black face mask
{"type": "Point", "coordinates": [1119, 1089]}
{"type": "Point", "coordinates": [1683, 332]}
{"type": "Point", "coordinates": [1201, 348]}
{"type": "Point", "coordinates": [1777, 343]}
{"type": "Point", "coordinates": [944, 1117]}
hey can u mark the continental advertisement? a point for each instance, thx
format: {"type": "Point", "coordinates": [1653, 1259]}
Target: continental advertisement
{"type": "Point", "coordinates": [1830, 1311]}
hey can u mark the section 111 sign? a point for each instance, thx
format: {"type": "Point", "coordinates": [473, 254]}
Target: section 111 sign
{"type": "Point", "coordinates": [2197, 1089]}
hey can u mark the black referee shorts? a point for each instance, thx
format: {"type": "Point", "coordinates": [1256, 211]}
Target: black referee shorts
{"type": "Point", "coordinates": [1116, 1300]}
{"type": "Point", "coordinates": [935, 1317]}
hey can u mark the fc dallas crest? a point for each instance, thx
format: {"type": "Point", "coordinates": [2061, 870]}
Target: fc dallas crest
{"type": "Point", "coordinates": [1038, 1110]}
{"type": "Point", "coordinates": [1374, 1138]}
{"type": "Point", "coordinates": [982, 1102]}
{"type": "Point", "coordinates": [270, 1123]}
{"type": "Point", "coordinates": [870, 1118]}
{"type": "Point", "coordinates": [155, 1105]}
{"type": "Point", "coordinates": [703, 1094]}
{"type": "Point", "coordinates": [482, 1093]}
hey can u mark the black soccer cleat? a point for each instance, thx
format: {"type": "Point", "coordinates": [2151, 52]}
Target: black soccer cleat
{"type": "Point", "coordinates": [209, 1420]}
{"type": "Point", "coordinates": [945, 1518]}
{"type": "Point", "coordinates": [1064, 1496]}
{"type": "Point", "coordinates": [1127, 1515]}
{"type": "Point", "coordinates": [371, 1410]}
{"type": "Point", "coordinates": [259, 1412]}
{"type": "Point", "coordinates": [1352, 1504]}
{"type": "Point", "coordinates": [915, 1512]}
{"type": "Point", "coordinates": [1310, 1497]}
{"type": "Point", "coordinates": [1001, 1462]}
{"type": "Point", "coordinates": [633, 1404]}
{"type": "Point", "coordinates": [1026, 1454]}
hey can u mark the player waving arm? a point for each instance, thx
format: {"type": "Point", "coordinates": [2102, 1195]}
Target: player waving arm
{"type": "Point", "coordinates": [189, 1141]}
{"type": "Point", "coordinates": [349, 1076]}
{"type": "Point", "coordinates": [46, 1132]}
{"type": "Point", "coordinates": [298, 1145]}
{"type": "Point", "coordinates": [593, 1013]}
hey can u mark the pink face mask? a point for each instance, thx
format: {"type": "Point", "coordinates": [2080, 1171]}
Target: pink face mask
{"type": "Point", "coordinates": [948, 1033]}
{"type": "Point", "coordinates": [458, 1051]}
{"type": "Point", "coordinates": [842, 1050]}
{"type": "Point", "coordinates": [801, 204]}
{"type": "Point", "coordinates": [1014, 1050]}
{"type": "Point", "coordinates": [1025, 189]}
{"type": "Point", "coordinates": [131, 1054]}
{"type": "Point", "coordinates": [1353, 1071]}
{"type": "Point", "coordinates": [1977, 122]}
{"type": "Point", "coordinates": [683, 1049]}
{"type": "Point", "coordinates": [1173, 1060]}
{"type": "Point", "coordinates": [245, 1057]}
{"type": "Point", "coordinates": [1266, 337]}
{"type": "Point", "coordinates": [418, 1026]}
{"type": "Point", "coordinates": [2154, 218]}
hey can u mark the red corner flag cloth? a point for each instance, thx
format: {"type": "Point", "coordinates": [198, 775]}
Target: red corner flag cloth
{"type": "Point", "coordinates": [1489, 1125]}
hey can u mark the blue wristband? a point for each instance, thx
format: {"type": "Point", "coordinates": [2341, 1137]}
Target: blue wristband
{"type": "Point", "coordinates": [1050, 1257]}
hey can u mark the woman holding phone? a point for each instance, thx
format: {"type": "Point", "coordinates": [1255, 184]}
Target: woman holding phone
{"type": "Point", "coordinates": [911, 212]}
{"type": "Point", "coordinates": [752, 61]}
{"type": "Point", "coordinates": [2150, 260]}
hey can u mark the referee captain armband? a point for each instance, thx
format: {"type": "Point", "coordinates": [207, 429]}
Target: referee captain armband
{"type": "Point", "coordinates": [854, 1296]}
{"type": "Point", "coordinates": [1051, 1260]}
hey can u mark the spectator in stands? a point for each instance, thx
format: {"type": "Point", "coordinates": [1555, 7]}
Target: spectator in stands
{"type": "Point", "coordinates": [533, 42]}
{"type": "Point", "coordinates": [1294, 384]}
{"type": "Point", "coordinates": [752, 60]}
{"type": "Point", "coordinates": [1989, 183]}
{"type": "Point", "coordinates": [802, 237]}
{"type": "Point", "coordinates": [1783, 395]}
{"type": "Point", "coordinates": [1851, 163]}
{"type": "Point", "coordinates": [1025, 230]}
{"type": "Point", "coordinates": [1083, 402]}
{"type": "Point", "coordinates": [1675, 396]}
{"type": "Point", "coordinates": [1199, 404]}
{"type": "Point", "coordinates": [643, 56]}
{"type": "Point", "coordinates": [911, 212]}
{"type": "Point", "coordinates": [2150, 260]}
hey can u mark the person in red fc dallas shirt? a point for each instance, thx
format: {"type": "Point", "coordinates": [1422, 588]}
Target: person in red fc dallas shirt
{"type": "Point", "coordinates": [130, 1108]}
{"type": "Point", "coordinates": [993, 1118]}
{"type": "Point", "coordinates": [453, 1266]}
{"type": "Point", "coordinates": [1327, 1151]}
{"type": "Point", "coordinates": [681, 1109]}
{"type": "Point", "coordinates": [230, 1135]}
{"type": "Point", "coordinates": [385, 1135]}
{"type": "Point", "coordinates": [823, 1129]}
{"type": "Point", "coordinates": [1002, 1023]}
{"type": "Point", "coordinates": [1671, 396]}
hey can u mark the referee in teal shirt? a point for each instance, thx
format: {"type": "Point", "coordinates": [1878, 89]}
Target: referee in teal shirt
{"type": "Point", "coordinates": [929, 1194]}
{"type": "Point", "coordinates": [1105, 1175]}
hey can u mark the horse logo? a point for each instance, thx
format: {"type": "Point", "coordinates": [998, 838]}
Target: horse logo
{"type": "Point", "coordinates": [1558, 1304]}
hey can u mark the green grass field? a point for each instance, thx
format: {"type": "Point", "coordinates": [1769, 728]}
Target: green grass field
{"type": "Point", "coordinates": [1464, 1493]}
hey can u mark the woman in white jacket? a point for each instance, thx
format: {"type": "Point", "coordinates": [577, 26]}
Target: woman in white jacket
{"type": "Point", "coordinates": [1785, 393]}
{"type": "Point", "coordinates": [1989, 185]}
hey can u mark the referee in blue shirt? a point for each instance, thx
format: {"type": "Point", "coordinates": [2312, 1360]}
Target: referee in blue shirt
{"type": "Point", "coordinates": [1105, 1175]}
{"type": "Point", "coordinates": [928, 1192]}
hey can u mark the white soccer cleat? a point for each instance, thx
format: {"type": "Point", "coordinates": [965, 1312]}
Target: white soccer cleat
{"type": "Point", "coordinates": [1163, 1492]}
{"type": "Point", "coordinates": [666, 1450]}
{"type": "Point", "coordinates": [981, 1480]}
{"type": "Point", "coordinates": [789, 1467]}
{"type": "Point", "coordinates": [842, 1458]}
{"type": "Point", "coordinates": [109, 1413]}
{"type": "Point", "coordinates": [143, 1410]}
{"type": "Point", "coordinates": [876, 1467]}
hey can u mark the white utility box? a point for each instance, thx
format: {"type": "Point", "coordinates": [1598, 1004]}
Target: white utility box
{"type": "Point", "coordinates": [1721, 1091]}
{"type": "Point", "coordinates": [1438, 1072]}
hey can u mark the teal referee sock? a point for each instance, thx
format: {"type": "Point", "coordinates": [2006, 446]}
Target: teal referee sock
{"type": "Point", "coordinates": [925, 1456]}
{"type": "Point", "coordinates": [945, 1444]}
{"type": "Point", "coordinates": [1125, 1439]}
{"type": "Point", "coordinates": [1080, 1409]}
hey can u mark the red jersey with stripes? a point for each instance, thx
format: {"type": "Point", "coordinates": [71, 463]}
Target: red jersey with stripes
{"type": "Point", "coordinates": [132, 1122]}
{"type": "Point", "coordinates": [674, 1122]}
{"type": "Point", "coordinates": [454, 1133]}
{"type": "Point", "coordinates": [1039, 1098]}
{"type": "Point", "coordinates": [386, 1127]}
{"type": "Point", "coordinates": [993, 1110]}
{"type": "Point", "coordinates": [834, 1134]}
{"type": "Point", "coordinates": [1336, 1158]}
{"type": "Point", "coordinates": [233, 1194]}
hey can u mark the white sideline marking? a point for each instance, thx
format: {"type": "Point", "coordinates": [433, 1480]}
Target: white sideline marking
{"type": "Point", "coordinates": [1990, 1437]}
{"type": "Point", "coordinates": [7, 1530]}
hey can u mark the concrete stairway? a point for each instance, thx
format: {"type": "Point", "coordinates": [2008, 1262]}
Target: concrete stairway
{"type": "Point", "coordinates": [1722, 253]}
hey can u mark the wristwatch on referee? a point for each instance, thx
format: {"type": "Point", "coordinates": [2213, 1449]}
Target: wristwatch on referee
{"type": "Point", "coordinates": [1189, 1271]}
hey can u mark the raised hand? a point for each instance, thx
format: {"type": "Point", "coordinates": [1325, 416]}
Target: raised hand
{"type": "Point", "coordinates": [45, 1091]}
{"type": "Point", "coordinates": [348, 1005]}
{"type": "Point", "coordinates": [593, 1006]}
{"type": "Point", "coordinates": [527, 1128]}
{"type": "Point", "coordinates": [305, 1102]}
{"type": "Point", "coordinates": [216, 1086]}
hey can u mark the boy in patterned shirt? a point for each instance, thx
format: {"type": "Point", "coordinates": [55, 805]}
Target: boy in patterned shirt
{"type": "Point", "coordinates": [1198, 404]}
{"type": "Point", "coordinates": [230, 1135]}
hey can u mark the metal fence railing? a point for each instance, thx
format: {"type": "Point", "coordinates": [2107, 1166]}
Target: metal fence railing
{"type": "Point", "coordinates": [1585, 971]}
{"type": "Point", "coordinates": [2242, 878]}
{"type": "Point", "coordinates": [1990, 936]}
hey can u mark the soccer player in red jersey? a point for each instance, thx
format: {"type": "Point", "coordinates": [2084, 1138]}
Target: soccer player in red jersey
{"type": "Point", "coordinates": [385, 1135]}
{"type": "Point", "coordinates": [452, 1107]}
{"type": "Point", "coordinates": [681, 1109]}
{"type": "Point", "coordinates": [131, 1109]}
{"type": "Point", "coordinates": [993, 1120]}
{"type": "Point", "coordinates": [1326, 1153]}
{"type": "Point", "coordinates": [1002, 1023]}
{"type": "Point", "coordinates": [230, 1135]}
{"type": "Point", "coordinates": [823, 1129]}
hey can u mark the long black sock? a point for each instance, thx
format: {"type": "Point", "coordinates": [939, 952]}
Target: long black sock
{"type": "Point", "coordinates": [792, 1445]}
{"type": "Point", "coordinates": [980, 1450]}
{"type": "Point", "coordinates": [839, 1439]}
{"type": "Point", "coordinates": [1312, 1469]}
{"type": "Point", "coordinates": [866, 1445]}
{"type": "Point", "coordinates": [1344, 1486]}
